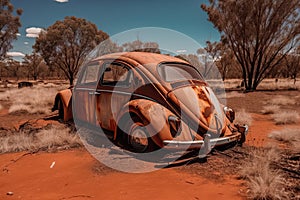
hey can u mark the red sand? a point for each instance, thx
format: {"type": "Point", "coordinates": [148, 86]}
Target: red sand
{"type": "Point", "coordinates": [73, 177]}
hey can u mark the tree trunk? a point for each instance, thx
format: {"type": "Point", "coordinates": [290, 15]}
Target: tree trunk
{"type": "Point", "coordinates": [71, 80]}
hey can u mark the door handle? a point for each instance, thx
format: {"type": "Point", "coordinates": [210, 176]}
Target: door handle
{"type": "Point", "coordinates": [94, 93]}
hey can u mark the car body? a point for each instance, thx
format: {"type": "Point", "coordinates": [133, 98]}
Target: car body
{"type": "Point", "coordinates": [148, 101]}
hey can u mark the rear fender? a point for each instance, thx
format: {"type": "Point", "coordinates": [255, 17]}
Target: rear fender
{"type": "Point", "coordinates": [153, 115]}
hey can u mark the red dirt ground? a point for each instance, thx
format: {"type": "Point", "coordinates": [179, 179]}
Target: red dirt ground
{"type": "Point", "coordinates": [77, 175]}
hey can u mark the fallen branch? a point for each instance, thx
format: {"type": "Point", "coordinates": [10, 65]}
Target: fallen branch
{"type": "Point", "coordinates": [5, 168]}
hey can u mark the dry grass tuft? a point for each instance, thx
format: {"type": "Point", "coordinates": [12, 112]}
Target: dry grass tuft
{"type": "Point", "coordinates": [38, 99]}
{"type": "Point", "coordinates": [235, 94]}
{"type": "Point", "coordinates": [287, 135]}
{"type": "Point", "coordinates": [270, 109]}
{"type": "Point", "coordinates": [263, 181]}
{"type": "Point", "coordinates": [282, 100]}
{"type": "Point", "coordinates": [286, 117]}
{"type": "Point", "coordinates": [46, 139]}
{"type": "Point", "coordinates": [242, 117]}
{"type": "Point", "coordinates": [1, 107]}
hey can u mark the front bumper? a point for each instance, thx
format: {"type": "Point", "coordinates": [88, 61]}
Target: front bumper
{"type": "Point", "coordinates": [207, 143]}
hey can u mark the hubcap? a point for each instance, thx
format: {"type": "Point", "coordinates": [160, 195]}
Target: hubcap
{"type": "Point", "coordinates": [138, 139]}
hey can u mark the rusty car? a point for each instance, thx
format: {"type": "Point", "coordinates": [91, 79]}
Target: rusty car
{"type": "Point", "coordinates": [149, 101]}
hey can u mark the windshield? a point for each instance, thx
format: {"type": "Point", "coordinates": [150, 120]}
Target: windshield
{"type": "Point", "coordinates": [178, 72]}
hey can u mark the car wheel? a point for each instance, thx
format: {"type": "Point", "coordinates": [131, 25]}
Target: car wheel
{"type": "Point", "coordinates": [138, 137]}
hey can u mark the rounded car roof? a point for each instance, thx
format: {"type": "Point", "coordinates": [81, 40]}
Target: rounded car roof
{"type": "Point", "coordinates": [148, 60]}
{"type": "Point", "coordinates": [142, 57]}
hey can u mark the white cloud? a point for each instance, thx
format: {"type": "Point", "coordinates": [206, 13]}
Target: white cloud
{"type": "Point", "coordinates": [15, 54]}
{"type": "Point", "coordinates": [26, 43]}
{"type": "Point", "coordinates": [33, 32]}
{"type": "Point", "coordinates": [61, 1]}
{"type": "Point", "coordinates": [18, 34]}
{"type": "Point", "coordinates": [181, 51]}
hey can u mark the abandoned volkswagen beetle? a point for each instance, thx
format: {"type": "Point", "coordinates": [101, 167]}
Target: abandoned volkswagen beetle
{"type": "Point", "coordinates": [148, 101]}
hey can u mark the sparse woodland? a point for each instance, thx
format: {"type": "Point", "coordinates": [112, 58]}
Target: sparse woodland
{"type": "Point", "coordinates": [259, 49]}
{"type": "Point", "coordinates": [259, 39]}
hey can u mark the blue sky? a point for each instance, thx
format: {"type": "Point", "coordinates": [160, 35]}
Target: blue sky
{"type": "Point", "coordinates": [115, 16]}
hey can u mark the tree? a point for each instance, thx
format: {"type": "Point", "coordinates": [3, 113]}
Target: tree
{"type": "Point", "coordinates": [259, 32]}
{"type": "Point", "coordinates": [9, 26]}
{"type": "Point", "coordinates": [223, 58]}
{"type": "Point", "coordinates": [210, 54]}
{"type": "Point", "coordinates": [33, 62]}
{"type": "Point", "coordinates": [292, 62]}
{"type": "Point", "coordinates": [66, 43]}
{"type": "Point", "coordinates": [12, 68]}
{"type": "Point", "coordinates": [227, 65]}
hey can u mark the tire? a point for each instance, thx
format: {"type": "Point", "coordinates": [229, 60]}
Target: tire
{"type": "Point", "coordinates": [137, 137]}
{"type": "Point", "coordinates": [60, 108]}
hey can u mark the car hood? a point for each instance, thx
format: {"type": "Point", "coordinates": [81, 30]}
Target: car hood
{"type": "Point", "coordinates": [201, 105]}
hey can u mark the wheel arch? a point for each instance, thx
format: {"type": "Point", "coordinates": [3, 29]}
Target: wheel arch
{"type": "Point", "coordinates": [143, 110]}
{"type": "Point", "coordinates": [65, 96]}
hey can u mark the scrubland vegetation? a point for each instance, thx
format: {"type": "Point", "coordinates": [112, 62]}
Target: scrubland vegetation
{"type": "Point", "coordinates": [35, 100]}
{"type": "Point", "coordinates": [263, 180]}
{"type": "Point", "coordinates": [48, 139]}
{"type": "Point", "coordinates": [290, 136]}
{"type": "Point", "coordinates": [286, 117]}
{"type": "Point", "coordinates": [271, 172]}
{"type": "Point", "coordinates": [243, 117]}
{"type": "Point", "coordinates": [38, 99]}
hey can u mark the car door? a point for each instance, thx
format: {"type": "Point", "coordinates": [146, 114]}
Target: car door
{"type": "Point", "coordinates": [85, 94]}
{"type": "Point", "coordinates": [115, 87]}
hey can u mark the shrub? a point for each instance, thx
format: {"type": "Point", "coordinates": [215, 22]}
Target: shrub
{"type": "Point", "coordinates": [288, 135]}
{"type": "Point", "coordinates": [286, 117]}
{"type": "Point", "coordinates": [263, 181]}
{"type": "Point", "coordinates": [282, 100]}
{"type": "Point", "coordinates": [37, 99]}
{"type": "Point", "coordinates": [242, 117]}
{"type": "Point", "coordinates": [270, 109]}
{"type": "Point", "coordinates": [46, 139]}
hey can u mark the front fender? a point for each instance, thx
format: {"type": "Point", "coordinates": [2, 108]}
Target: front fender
{"type": "Point", "coordinates": [65, 96]}
{"type": "Point", "coordinates": [153, 115]}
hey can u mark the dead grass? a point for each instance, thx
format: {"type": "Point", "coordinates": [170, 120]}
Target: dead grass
{"type": "Point", "coordinates": [49, 138]}
{"type": "Point", "coordinates": [286, 117]}
{"type": "Point", "coordinates": [282, 83]}
{"type": "Point", "coordinates": [266, 84]}
{"type": "Point", "coordinates": [1, 107]}
{"type": "Point", "coordinates": [232, 83]}
{"type": "Point", "coordinates": [282, 100]}
{"type": "Point", "coordinates": [288, 135]}
{"type": "Point", "coordinates": [270, 109]}
{"type": "Point", "coordinates": [242, 117]}
{"type": "Point", "coordinates": [235, 94]}
{"type": "Point", "coordinates": [263, 181]}
{"type": "Point", "coordinates": [38, 99]}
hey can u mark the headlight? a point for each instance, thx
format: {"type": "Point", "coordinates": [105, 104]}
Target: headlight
{"type": "Point", "coordinates": [175, 125]}
{"type": "Point", "coordinates": [230, 114]}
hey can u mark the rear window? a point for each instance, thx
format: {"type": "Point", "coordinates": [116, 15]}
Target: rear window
{"type": "Point", "coordinates": [178, 72]}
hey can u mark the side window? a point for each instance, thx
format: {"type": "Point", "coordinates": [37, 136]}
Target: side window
{"type": "Point", "coordinates": [90, 75]}
{"type": "Point", "coordinates": [116, 74]}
